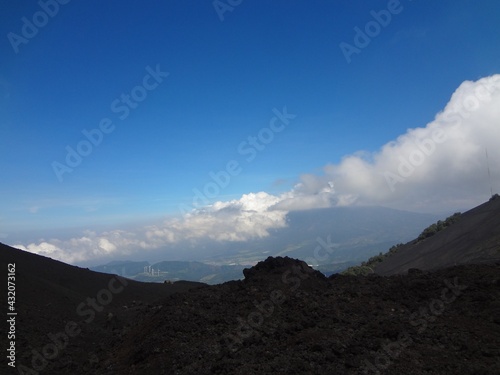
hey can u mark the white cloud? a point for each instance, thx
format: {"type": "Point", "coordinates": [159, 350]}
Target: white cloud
{"type": "Point", "coordinates": [236, 220]}
{"type": "Point", "coordinates": [243, 219]}
{"type": "Point", "coordinates": [107, 246]}
{"type": "Point", "coordinates": [43, 248]}
{"type": "Point", "coordinates": [436, 167]}
{"type": "Point", "coordinates": [311, 192]}
{"type": "Point", "coordinates": [79, 249]}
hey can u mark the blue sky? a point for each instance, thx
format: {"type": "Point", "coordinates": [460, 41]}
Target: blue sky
{"type": "Point", "coordinates": [225, 78]}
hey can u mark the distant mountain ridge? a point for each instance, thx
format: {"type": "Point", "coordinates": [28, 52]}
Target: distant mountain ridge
{"type": "Point", "coordinates": [354, 234]}
{"type": "Point", "coordinates": [126, 268]}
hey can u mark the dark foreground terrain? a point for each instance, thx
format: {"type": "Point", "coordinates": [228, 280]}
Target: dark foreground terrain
{"type": "Point", "coordinates": [286, 318]}
{"type": "Point", "coordinates": [283, 318]}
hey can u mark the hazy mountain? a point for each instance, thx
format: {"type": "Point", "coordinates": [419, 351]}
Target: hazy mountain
{"type": "Point", "coordinates": [330, 240]}
{"type": "Point", "coordinates": [125, 268]}
{"type": "Point", "coordinates": [355, 233]}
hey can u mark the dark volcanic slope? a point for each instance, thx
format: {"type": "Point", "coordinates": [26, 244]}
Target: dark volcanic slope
{"type": "Point", "coordinates": [283, 318]}
{"type": "Point", "coordinates": [475, 238]}
{"type": "Point", "coordinates": [286, 318]}
{"type": "Point", "coordinates": [49, 294]}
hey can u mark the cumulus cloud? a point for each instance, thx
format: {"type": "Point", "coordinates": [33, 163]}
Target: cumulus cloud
{"type": "Point", "coordinates": [243, 219]}
{"type": "Point", "coordinates": [88, 246]}
{"type": "Point", "coordinates": [311, 192]}
{"type": "Point", "coordinates": [440, 166]}
{"type": "Point", "coordinates": [236, 220]}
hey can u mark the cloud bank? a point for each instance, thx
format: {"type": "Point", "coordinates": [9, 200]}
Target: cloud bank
{"type": "Point", "coordinates": [441, 166]}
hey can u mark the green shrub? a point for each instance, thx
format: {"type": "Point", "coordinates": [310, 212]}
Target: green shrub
{"type": "Point", "coordinates": [367, 267]}
{"type": "Point", "coordinates": [432, 229]}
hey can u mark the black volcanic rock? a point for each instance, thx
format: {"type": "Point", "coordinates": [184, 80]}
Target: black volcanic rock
{"type": "Point", "coordinates": [50, 294]}
{"type": "Point", "coordinates": [284, 271]}
{"type": "Point", "coordinates": [443, 322]}
{"type": "Point", "coordinates": [279, 265]}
